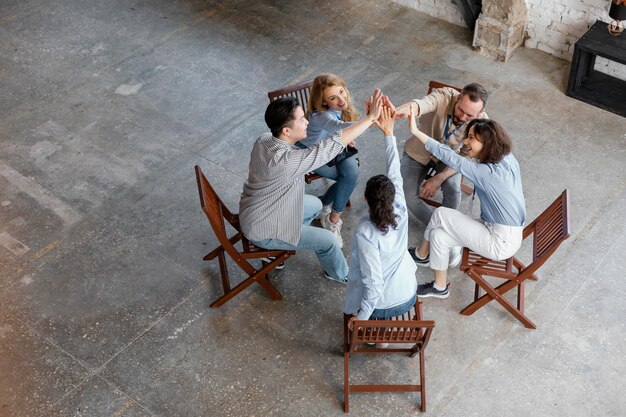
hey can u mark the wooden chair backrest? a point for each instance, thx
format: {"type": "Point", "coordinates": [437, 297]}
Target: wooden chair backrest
{"type": "Point", "coordinates": [300, 91]}
{"type": "Point", "coordinates": [216, 211]}
{"type": "Point", "coordinates": [416, 332]}
{"type": "Point", "coordinates": [549, 230]}
{"type": "Point", "coordinates": [436, 84]}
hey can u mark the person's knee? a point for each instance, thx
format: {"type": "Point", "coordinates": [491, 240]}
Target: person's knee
{"type": "Point", "coordinates": [350, 170]}
{"type": "Point", "coordinates": [438, 239]}
{"type": "Point", "coordinates": [326, 242]}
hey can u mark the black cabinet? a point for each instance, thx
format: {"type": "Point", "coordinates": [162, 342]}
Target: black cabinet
{"type": "Point", "coordinates": [594, 87]}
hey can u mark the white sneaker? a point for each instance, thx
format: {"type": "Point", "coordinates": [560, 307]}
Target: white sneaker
{"type": "Point", "coordinates": [325, 212]}
{"type": "Point", "coordinates": [335, 228]}
{"type": "Point", "coordinates": [455, 256]}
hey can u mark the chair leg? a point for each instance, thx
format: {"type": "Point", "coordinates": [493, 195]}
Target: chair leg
{"type": "Point", "coordinates": [520, 297]}
{"type": "Point", "coordinates": [496, 294]}
{"type": "Point", "coordinates": [224, 271]}
{"type": "Point", "coordinates": [346, 382]}
{"type": "Point", "coordinates": [257, 277]}
{"type": "Point", "coordinates": [346, 364]}
{"type": "Point", "coordinates": [422, 381]}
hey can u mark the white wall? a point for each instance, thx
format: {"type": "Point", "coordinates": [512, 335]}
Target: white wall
{"type": "Point", "coordinates": [553, 26]}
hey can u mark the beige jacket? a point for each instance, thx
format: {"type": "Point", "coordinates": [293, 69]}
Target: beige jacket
{"type": "Point", "coordinates": [433, 111]}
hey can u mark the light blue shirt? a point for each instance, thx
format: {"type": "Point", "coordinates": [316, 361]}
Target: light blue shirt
{"type": "Point", "coordinates": [382, 273]}
{"type": "Point", "coordinates": [322, 124]}
{"type": "Point", "coordinates": [499, 186]}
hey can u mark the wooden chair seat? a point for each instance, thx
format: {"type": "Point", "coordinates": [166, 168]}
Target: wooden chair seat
{"type": "Point", "coordinates": [217, 213]}
{"type": "Point", "coordinates": [549, 230]}
{"type": "Point", "coordinates": [406, 329]}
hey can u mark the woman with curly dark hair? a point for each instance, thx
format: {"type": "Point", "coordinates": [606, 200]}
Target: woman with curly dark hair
{"type": "Point", "coordinates": [497, 180]}
{"type": "Point", "coordinates": [381, 282]}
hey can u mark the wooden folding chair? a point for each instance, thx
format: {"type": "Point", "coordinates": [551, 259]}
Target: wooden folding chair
{"type": "Point", "coordinates": [549, 230]}
{"type": "Point", "coordinates": [217, 212]}
{"type": "Point", "coordinates": [301, 92]}
{"type": "Point", "coordinates": [406, 329]}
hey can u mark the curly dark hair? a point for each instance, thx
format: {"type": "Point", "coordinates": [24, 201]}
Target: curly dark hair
{"type": "Point", "coordinates": [380, 194]}
{"type": "Point", "coordinates": [496, 142]}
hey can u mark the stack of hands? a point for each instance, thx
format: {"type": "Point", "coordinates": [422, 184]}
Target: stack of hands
{"type": "Point", "coordinates": [382, 112]}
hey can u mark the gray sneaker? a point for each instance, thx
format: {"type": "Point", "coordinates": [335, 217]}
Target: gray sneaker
{"type": "Point", "coordinates": [429, 290]}
{"type": "Point", "coordinates": [419, 261]}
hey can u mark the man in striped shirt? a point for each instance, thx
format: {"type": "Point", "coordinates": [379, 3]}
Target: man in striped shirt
{"type": "Point", "coordinates": [274, 212]}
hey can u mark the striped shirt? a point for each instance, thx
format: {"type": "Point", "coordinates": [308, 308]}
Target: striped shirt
{"type": "Point", "coordinates": [272, 201]}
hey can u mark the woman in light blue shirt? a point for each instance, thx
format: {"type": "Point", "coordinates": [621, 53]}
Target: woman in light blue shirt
{"type": "Point", "coordinates": [497, 181]}
{"type": "Point", "coordinates": [331, 109]}
{"type": "Point", "coordinates": [381, 281]}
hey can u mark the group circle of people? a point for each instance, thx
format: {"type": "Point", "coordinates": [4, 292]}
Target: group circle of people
{"type": "Point", "coordinates": [455, 138]}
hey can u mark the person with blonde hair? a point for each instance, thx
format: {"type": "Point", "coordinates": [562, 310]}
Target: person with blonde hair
{"type": "Point", "coordinates": [331, 109]}
{"type": "Point", "coordinates": [274, 211]}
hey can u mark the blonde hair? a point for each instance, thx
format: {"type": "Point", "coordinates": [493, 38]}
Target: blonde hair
{"type": "Point", "coordinates": [316, 100]}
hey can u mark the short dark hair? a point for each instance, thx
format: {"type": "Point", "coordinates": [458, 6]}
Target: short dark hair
{"type": "Point", "coordinates": [279, 113]}
{"type": "Point", "coordinates": [476, 93]}
{"type": "Point", "coordinates": [380, 193]}
{"type": "Point", "coordinates": [496, 142]}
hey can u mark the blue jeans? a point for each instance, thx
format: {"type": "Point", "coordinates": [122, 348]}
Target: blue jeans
{"type": "Point", "coordinates": [346, 176]}
{"type": "Point", "coordinates": [322, 241]}
{"type": "Point", "coordinates": [387, 313]}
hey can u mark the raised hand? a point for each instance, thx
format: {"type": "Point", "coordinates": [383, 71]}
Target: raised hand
{"type": "Point", "coordinates": [374, 105]}
{"type": "Point", "coordinates": [388, 103]}
{"type": "Point", "coordinates": [414, 130]}
{"type": "Point", "coordinates": [386, 121]}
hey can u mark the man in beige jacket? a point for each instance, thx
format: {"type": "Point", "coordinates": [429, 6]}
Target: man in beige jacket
{"type": "Point", "coordinates": [444, 115]}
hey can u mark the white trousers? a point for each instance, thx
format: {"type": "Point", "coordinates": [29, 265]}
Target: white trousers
{"type": "Point", "coordinates": [450, 228]}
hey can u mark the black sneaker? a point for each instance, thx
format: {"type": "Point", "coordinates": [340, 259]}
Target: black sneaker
{"type": "Point", "coordinates": [429, 290]}
{"type": "Point", "coordinates": [272, 259]}
{"type": "Point", "coordinates": [419, 261]}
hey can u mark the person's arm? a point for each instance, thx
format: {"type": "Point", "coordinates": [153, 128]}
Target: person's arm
{"type": "Point", "coordinates": [474, 171]}
{"type": "Point", "coordinates": [430, 186]}
{"type": "Point", "coordinates": [386, 124]}
{"type": "Point", "coordinates": [374, 106]}
{"type": "Point", "coordinates": [420, 107]}
{"type": "Point", "coordinates": [300, 161]}
{"type": "Point", "coordinates": [371, 274]}
{"type": "Point", "coordinates": [329, 122]}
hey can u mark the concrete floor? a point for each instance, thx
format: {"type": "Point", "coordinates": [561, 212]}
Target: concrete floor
{"type": "Point", "coordinates": [107, 106]}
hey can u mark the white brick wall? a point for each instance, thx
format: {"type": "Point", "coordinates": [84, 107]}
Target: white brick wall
{"type": "Point", "coordinates": [553, 26]}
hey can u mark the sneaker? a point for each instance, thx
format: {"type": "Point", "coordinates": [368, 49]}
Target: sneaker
{"type": "Point", "coordinates": [272, 259]}
{"type": "Point", "coordinates": [455, 256]}
{"type": "Point", "coordinates": [325, 212]}
{"type": "Point", "coordinates": [419, 261]}
{"type": "Point", "coordinates": [335, 228]}
{"type": "Point", "coordinates": [379, 345]}
{"type": "Point", "coordinates": [429, 290]}
{"type": "Point", "coordinates": [343, 281]}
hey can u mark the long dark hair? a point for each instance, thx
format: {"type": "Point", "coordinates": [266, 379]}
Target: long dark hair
{"type": "Point", "coordinates": [496, 142]}
{"type": "Point", "coordinates": [380, 193]}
